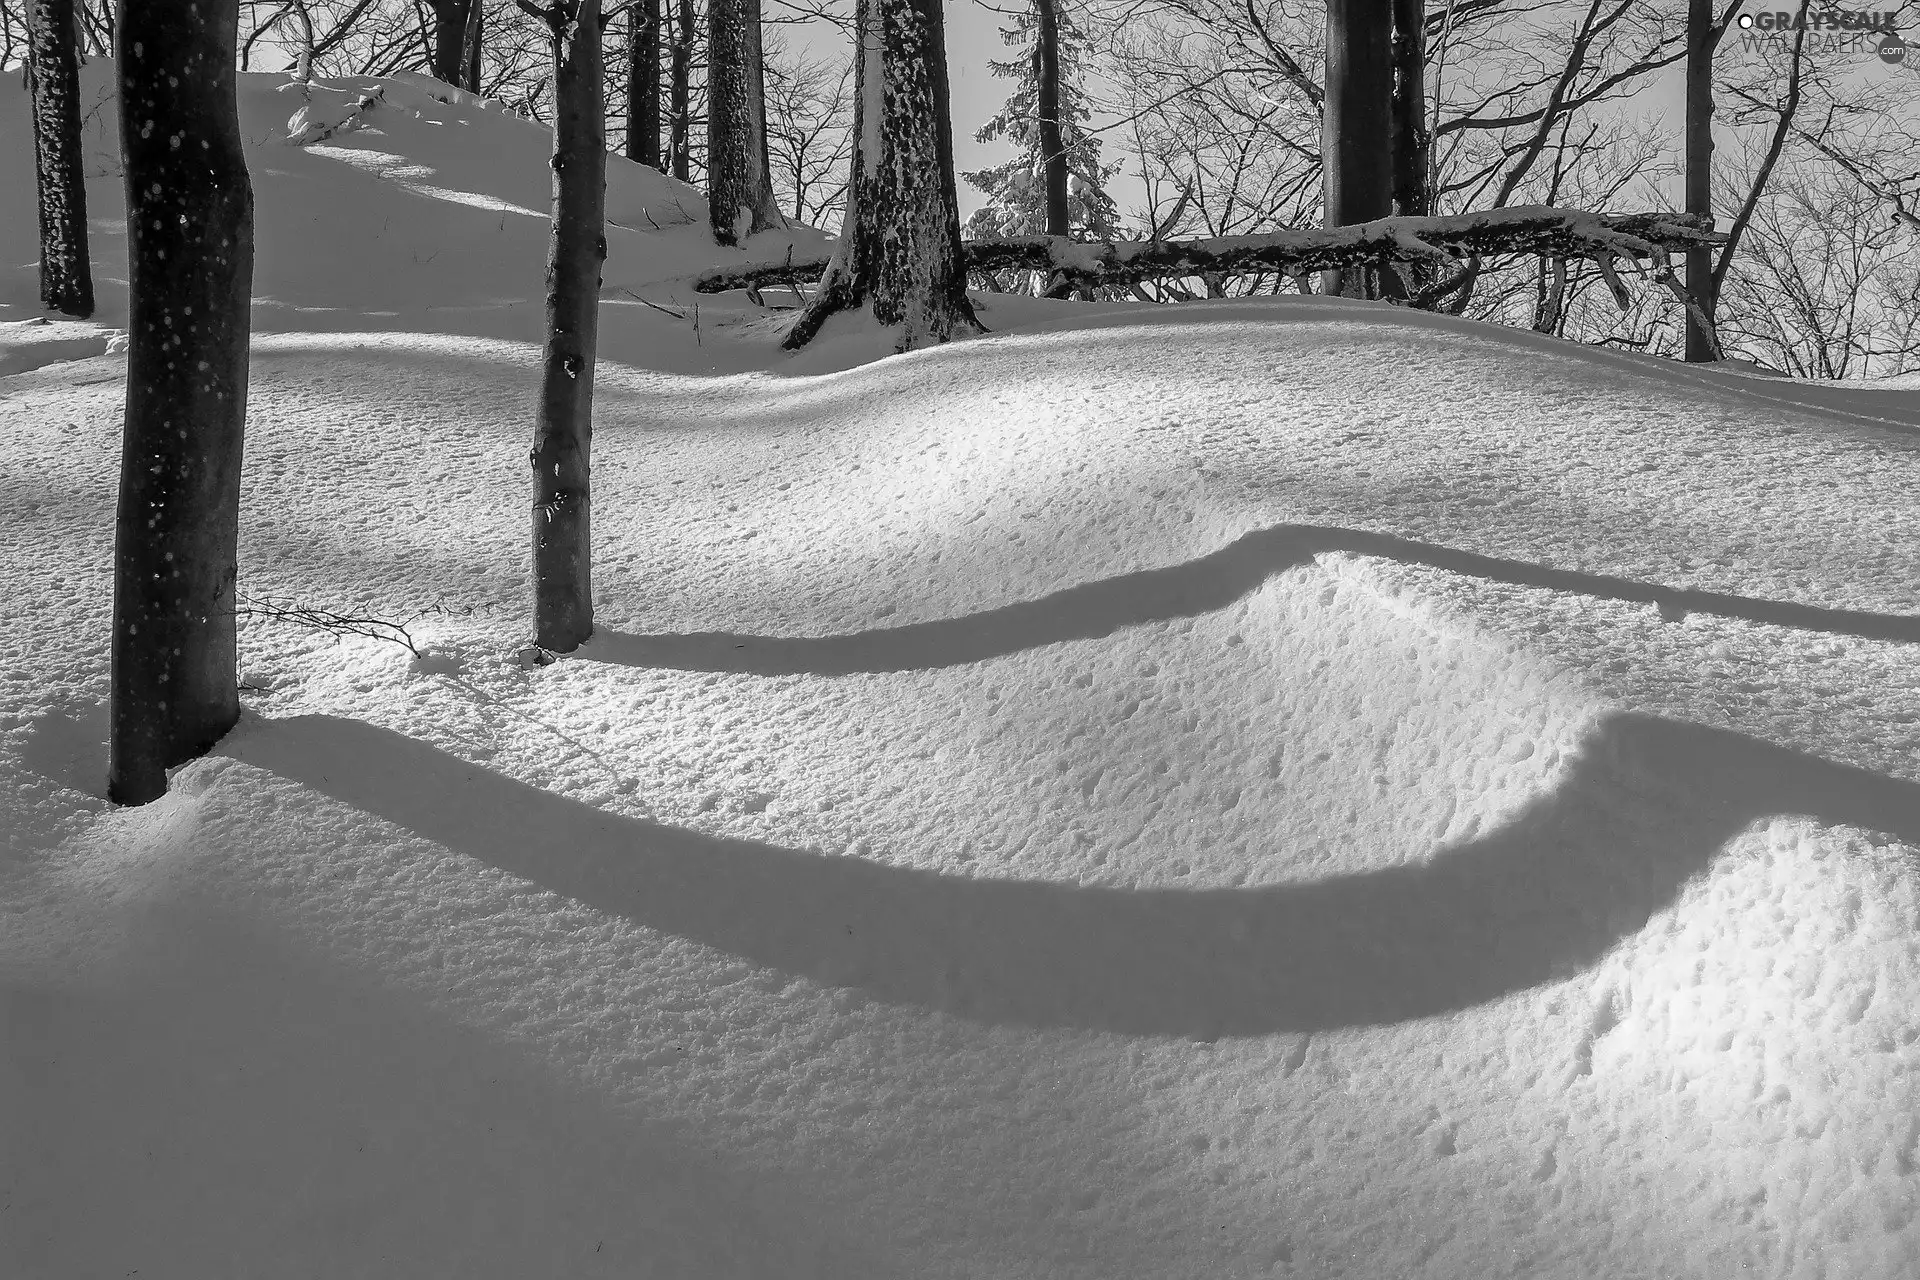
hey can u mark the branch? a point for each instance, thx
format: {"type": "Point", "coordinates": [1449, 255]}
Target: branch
{"type": "Point", "coordinates": [1521, 229]}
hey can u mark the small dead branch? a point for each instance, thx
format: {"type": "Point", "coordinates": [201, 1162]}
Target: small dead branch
{"type": "Point", "coordinates": [663, 310]}
{"type": "Point", "coordinates": [343, 624]}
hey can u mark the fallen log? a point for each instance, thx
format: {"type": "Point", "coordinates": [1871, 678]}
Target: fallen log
{"type": "Point", "coordinates": [1562, 234]}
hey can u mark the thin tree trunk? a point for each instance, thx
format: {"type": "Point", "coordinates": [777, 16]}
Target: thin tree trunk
{"type": "Point", "coordinates": [66, 274]}
{"type": "Point", "coordinates": [643, 83]}
{"type": "Point", "coordinates": [900, 250]}
{"type": "Point", "coordinates": [476, 19]}
{"type": "Point", "coordinates": [680, 106]}
{"type": "Point", "coordinates": [1053, 151]}
{"type": "Point", "coordinates": [1356, 157]}
{"type": "Point", "coordinates": [740, 196]}
{"type": "Point", "coordinates": [563, 433]}
{"type": "Point", "coordinates": [190, 254]}
{"type": "Point", "coordinates": [1701, 38]}
{"type": "Point", "coordinates": [1411, 195]}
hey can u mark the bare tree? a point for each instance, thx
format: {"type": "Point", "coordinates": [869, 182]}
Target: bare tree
{"type": "Point", "coordinates": [66, 275]}
{"type": "Point", "coordinates": [1358, 171]}
{"type": "Point", "coordinates": [643, 82]}
{"type": "Point", "coordinates": [899, 251]}
{"type": "Point", "coordinates": [453, 22]}
{"type": "Point", "coordinates": [1409, 138]}
{"type": "Point", "coordinates": [563, 433]}
{"type": "Point", "coordinates": [809, 134]}
{"type": "Point", "coordinates": [190, 265]}
{"type": "Point", "coordinates": [680, 100]}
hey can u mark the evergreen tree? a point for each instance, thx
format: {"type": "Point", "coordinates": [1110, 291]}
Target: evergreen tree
{"type": "Point", "coordinates": [1017, 189]}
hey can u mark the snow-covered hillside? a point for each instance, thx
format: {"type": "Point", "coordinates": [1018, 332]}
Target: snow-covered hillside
{"type": "Point", "coordinates": [1245, 789]}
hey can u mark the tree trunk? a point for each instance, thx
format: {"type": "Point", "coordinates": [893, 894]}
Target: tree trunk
{"type": "Point", "coordinates": [450, 39]}
{"type": "Point", "coordinates": [476, 17]}
{"type": "Point", "coordinates": [563, 434]}
{"type": "Point", "coordinates": [900, 249]}
{"type": "Point", "coordinates": [1701, 38]}
{"type": "Point", "coordinates": [680, 127]}
{"type": "Point", "coordinates": [66, 276]}
{"type": "Point", "coordinates": [190, 270]}
{"type": "Point", "coordinates": [740, 196]}
{"type": "Point", "coordinates": [1053, 151]}
{"type": "Point", "coordinates": [1411, 195]}
{"type": "Point", "coordinates": [1356, 152]}
{"type": "Point", "coordinates": [643, 83]}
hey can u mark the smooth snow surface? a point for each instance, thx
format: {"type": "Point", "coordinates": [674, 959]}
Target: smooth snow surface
{"type": "Point", "coordinates": [1259, 789]}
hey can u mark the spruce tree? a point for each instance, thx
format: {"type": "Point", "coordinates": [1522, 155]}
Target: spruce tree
{"type": "Point", "coordinates": [1018, 190]}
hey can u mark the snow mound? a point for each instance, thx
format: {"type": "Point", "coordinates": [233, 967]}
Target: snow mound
{"type": "Point", "coordinates": [396, 202]}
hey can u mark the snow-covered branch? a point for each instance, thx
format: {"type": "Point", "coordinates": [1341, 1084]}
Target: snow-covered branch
{"type": "Point", "coordinates": [1445, 240]}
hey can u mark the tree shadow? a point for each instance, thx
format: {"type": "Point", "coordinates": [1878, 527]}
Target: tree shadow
{"type": "Point", "coordinates": [1211, 582]}
{"type": "Point", "coordinates": [1645, 805]}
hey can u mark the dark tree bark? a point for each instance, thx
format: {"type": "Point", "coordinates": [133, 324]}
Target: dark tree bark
{"type": "Point", "coordinates": [1046, 75]}
{"type": "Point", "coordinates": [899, 251]}
{"type": "Point", "coordinates": [190, 268]}
{"type": "Point", "coordinates": [1411, 194]}
{"type": "Point", "coordinates": [476, 20]}
{"type": "Point", "coordinates": [643, 83]}
{"type": "Point", "coordinates": [1703, 36]}
{"type": "Point", "coordinates": [66, 274]}
{"type": "Point", "coordinates": [740, 195]}
{"type": "Point", "coordinates": [450, 19]}
{"type": "Point", "coordinates": [680, 106]}
{"type": "Point", "coordinates": [1356, 124]}
{"type": "Point", "coordinates": [563, 432]}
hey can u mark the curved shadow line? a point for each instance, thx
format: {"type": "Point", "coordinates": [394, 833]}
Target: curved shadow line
{"type": "Point", "coordinates": [1646, 805]}
{"type": "Point", "coordinates": [1211, 582]}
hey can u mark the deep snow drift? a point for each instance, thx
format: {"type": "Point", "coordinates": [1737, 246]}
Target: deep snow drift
{"type": "Point", "coordinates": [1235, 790]}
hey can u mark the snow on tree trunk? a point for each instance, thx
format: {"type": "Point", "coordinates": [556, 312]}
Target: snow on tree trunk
{"type": "Point", "coordinates": [563, 433]}
{"type": "Point", "coordinates": [643, 83]}
{"type": "Point", "coordinates": [66, 277]}
{"type": "Point", "coordinates": [190, 275]}
{"type": "Point", "coordinates": [740, 195]}
{"type": "Point", "coordinates": [1357, 165]}
{"type": "Point", "coordinates": [680, 77]}
{"type": "Point", "coordinates": [899, 252]}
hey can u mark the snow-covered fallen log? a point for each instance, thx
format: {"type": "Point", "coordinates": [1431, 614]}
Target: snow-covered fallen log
{"type": "Point", "coordinates": [1444, 240]}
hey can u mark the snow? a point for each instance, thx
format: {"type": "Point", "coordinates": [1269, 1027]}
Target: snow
{"type": "Point", "coordinates": [1244, 789]}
